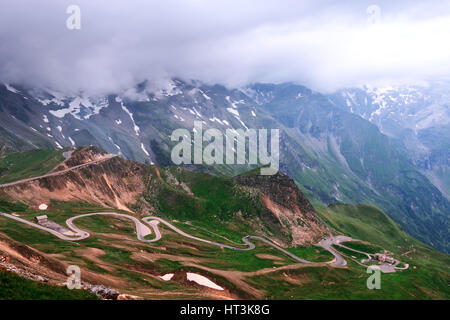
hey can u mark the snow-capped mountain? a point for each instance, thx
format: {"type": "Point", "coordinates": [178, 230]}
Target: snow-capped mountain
{"type": "Point", "coordinates": [419, 116]}
{"type": "Point", "coordinates": [394, 109]}
{"type": "Point", "coordinates": [127, 122]}
{"type": "Point", "coordinates": [327, 142]}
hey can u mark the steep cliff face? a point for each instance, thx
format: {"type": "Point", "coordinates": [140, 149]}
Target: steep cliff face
{"type": "Point", "coordinates": [285, 203]}
{"type": "Point", "coordinates": [115, 183]}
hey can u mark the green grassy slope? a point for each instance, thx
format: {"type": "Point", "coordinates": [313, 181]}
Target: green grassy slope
{"type": "Point", "coordinates": [221, 212]}
{"type": "Point", "coordinates": [21, 165]}
{"type": "Point", "coordinates": [14, 287]}
{"type": "Point", "coordinates": [349, 160]}
{"type": "Point", "coordinates": [369, 223]}
{"type": "Point", "coordinates": [216, 204]}
{"type": "Point", "coordinates": [426, 278]}
{"type": "Point", "coordinates": [364, 222]}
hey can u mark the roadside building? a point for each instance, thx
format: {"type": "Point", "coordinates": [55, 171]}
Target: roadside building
{"type": "Point", "coordinates": [41, 219]}
{"type": "Point", "coordinates": [380, 257]}
{"type": "Point", "coordinates": [389, 259]}
{"type": "Point", "coordinates": [384, 258]}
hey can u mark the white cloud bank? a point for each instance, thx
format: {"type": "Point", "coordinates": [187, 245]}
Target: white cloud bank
{"type": "Point", "coordinates": [321, 44]}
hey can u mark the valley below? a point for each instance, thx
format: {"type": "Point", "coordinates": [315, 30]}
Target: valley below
{"type": "Point", "coordinates": [140, 231]}
{"type": "Point", "coordinates": [220, 159]}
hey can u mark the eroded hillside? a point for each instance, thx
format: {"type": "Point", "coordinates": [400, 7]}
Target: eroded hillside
{"type": "Point", "coordinates": [268, 205]}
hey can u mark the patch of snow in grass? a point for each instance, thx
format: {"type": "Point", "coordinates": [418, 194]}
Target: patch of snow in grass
{"type": "Point", "coordinates": [167, 277]}
{"type": "Point", "coordinates": [203, 281]}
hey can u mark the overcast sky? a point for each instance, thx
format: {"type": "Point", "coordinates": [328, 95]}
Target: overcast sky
{"type": "Point", "coordinates": [325, 45]}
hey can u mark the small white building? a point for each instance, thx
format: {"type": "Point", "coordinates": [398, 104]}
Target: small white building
{"type": "Point", "coordinates": [41, 219]}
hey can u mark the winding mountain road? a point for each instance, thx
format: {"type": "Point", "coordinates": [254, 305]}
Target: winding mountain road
{"type": "Point", "coordinates": [57, 173]}
{"type": "Point", "coordinates": [250, 245]}
{"type": "Point", "coordinates": [142, 230]}
{"type": "Point", "coordinates": [328, 242]}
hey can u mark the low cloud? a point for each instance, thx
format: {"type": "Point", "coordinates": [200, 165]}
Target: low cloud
{"type": "Point", "coordinates": [321, 44]}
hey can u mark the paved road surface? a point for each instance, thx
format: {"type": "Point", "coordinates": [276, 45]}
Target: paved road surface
{"type": "Point", "coordinates": [351, 249]}
{"type": "Point", "coordinates": [52, 174]}
{"type": "Point", "coordinates": [142, 230]}
{"type": "Point", "coordinates": [280, 249]}
{"type": "Point", "coordinates": [326, 244]}
{"type": "Point", "coordinates": [250, 246]}
{"type": "Point", "coordinates": [67, 155]}
{"type": "Point", "coordinates": [81, 236]}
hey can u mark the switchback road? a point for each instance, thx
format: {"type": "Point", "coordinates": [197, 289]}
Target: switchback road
{"type": "Point", "coordinates": [142, 230]}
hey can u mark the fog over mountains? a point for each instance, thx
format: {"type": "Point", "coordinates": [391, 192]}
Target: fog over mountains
{"type": "Point", "coordinates": [359, 92]}
{"type": "Point", "coordinates": [321, 44]}
{"type": "Point", "coordinates": [224, 150]}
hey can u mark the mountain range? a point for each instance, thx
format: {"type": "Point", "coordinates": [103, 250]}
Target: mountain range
{"type": "Point", "coordinates": [386, 147]}
{"type": "Point", "coordinates": [250, 236]}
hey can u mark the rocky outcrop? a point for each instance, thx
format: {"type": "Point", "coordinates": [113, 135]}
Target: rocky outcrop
{"type": "Point", "coordinates": [286, 215]}
{"type": "Point", "coordinates": [286, 206]}
{"type": "Point", "coordinates": [115, 183]}
{"type": "Point", "coordinates": [104, 292]}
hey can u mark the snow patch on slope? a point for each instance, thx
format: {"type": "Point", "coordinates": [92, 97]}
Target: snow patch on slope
{"type": "Point", "coordinates": [79, 104]}
{"type": "Point", "coordinates": [130, 114]}
{"type": "Point", "coordinates": [10, 88]}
